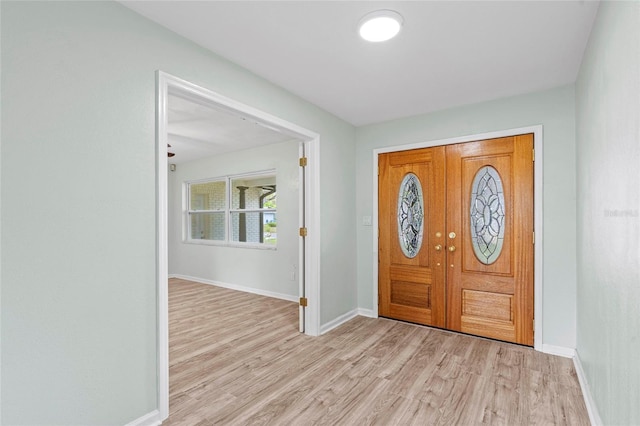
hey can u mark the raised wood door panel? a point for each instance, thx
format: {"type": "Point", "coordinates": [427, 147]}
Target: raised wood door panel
{"type": "Point", "coordinates": [412, 288]}
{"type": "Point", "coordinates": [493, 300]}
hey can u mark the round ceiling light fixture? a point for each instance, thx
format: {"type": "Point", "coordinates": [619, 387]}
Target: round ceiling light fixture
{"type": "Point", "coordinates": [380, 25]}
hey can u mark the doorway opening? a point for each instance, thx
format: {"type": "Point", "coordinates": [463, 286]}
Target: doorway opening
{"type": "Point", "coordinates": [308, 207]}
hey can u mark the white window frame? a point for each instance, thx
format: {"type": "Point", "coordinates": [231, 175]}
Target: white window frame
{"type": "Point", "coordinates": [228, 211]}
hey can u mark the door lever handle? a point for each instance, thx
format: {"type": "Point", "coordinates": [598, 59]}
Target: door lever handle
{"type": "Point", "coordinates": [452, 248]}
{"type": "Point", "coordinates": [438, 247]}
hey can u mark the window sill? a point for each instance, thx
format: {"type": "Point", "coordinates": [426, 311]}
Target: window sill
{"type": "Point", "coordinates": [256, 246]}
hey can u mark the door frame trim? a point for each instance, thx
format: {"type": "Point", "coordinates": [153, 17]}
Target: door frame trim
{"type": "Point", "coordinates": [164, 84]}
{"type": "Point", "coordinates": [537, 131]}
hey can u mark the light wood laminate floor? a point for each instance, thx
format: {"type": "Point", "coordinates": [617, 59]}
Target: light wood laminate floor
{"type": "Point", "coordinates": [238, 359]}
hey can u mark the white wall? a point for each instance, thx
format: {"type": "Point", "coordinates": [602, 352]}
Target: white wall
{"type": "Point", "coordinates": [554, 109]}
{"type": "Point", "coordinates": [78, 204]}
{"type": "Point", "coordinates": [258, 269]}
{"type": "Point", "coordinates": [608, 164]}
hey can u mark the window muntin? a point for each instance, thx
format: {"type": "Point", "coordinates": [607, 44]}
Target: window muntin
{"type": "Point", "coordinates": [239, 209]}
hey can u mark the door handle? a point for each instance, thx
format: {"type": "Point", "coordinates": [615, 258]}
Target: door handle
{"type": "Point", "coordinates": [438, 247]}
{"type": "Point", "coordinates": [452, 248]}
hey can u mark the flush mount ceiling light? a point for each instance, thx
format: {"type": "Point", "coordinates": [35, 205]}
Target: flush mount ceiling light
{"type": "Point", "coordinates": [380, 25]}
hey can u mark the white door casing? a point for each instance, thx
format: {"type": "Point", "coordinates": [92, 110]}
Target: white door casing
{"type": "Point", "coordinates": [309, 250]}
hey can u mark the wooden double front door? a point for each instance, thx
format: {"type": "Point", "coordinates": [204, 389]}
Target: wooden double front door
{"type": "Point", "coordinates": [456, 237]}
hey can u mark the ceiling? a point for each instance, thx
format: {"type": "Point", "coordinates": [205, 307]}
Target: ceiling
{"type": "Point", "coordinates": [449, 53]}
{"type": "Point", "coordinates": [196, 130]}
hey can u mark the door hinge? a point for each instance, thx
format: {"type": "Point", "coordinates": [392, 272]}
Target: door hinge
{"type": "Point", "coordinates": [533, 155]}
{"type": "Point", "coordinates": [303, 161]}
{"type": "Point", "coordinates": [303, 302]}
{"type": "Point", "coordinates": [303, 232]}
{"type": "Point", "coordinates": [533, 237]}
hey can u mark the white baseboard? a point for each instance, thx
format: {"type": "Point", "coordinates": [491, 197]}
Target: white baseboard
{"type": "Point", "coordinates": [558, 350]}
{"type": "Point", "coordinates": [338, 321]}
{"type": "Point", "coordinates": [238, 287]}
{"type": "Point", "coordinates": [592, 409]}
{"type": "Point", "coordinates": [346, 317]}
{"type": "Point", "coordinates": [149, 419]}
{"type": "Point", "coordinates": [366, 313]}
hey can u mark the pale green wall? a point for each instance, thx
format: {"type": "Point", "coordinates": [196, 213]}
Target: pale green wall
{"type": "Point", "coordinates": [0, 225]}
{"type": "Point", "coordinates": [608, 186]}
{"type": "Point", "coordinates": [554, 109]}
{"type": "Point", "coordinates": [78, 204]}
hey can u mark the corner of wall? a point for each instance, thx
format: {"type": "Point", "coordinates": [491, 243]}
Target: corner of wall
{"type": "Point", "coordinates": [325, 328]}
{"type": "Point", "coordinates": [558, 350]}
{"type": "Point", "coordinates": [149, 419]}
{"type": "Point", "coordinates": [592, 409]}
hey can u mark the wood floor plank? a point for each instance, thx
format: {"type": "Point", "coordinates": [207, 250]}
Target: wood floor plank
{"type": "Point", "coordinates": [238, 359]}
{"type": "Point", "coordinates": [416, 412]}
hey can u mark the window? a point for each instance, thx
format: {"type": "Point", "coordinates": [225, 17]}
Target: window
{"type": "Point", "coordinates": [238, 209]}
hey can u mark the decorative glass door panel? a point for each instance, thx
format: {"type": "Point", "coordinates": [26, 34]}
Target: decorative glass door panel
{"type": "Point", "coordinates": [410, 215]}
{"type": "Point", "coordinates": [488, 211]}
{"type": "Point", "coordinates": [487, 215]}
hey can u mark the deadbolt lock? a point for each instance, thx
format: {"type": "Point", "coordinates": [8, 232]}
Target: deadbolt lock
{"type": "Point", "coordinates": [452, 235]}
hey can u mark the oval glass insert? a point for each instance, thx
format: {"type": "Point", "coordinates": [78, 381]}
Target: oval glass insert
{"type": "Point", "coordinates": [487, 215]}
{"type": "Point", "coordinates": [410, 215]}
